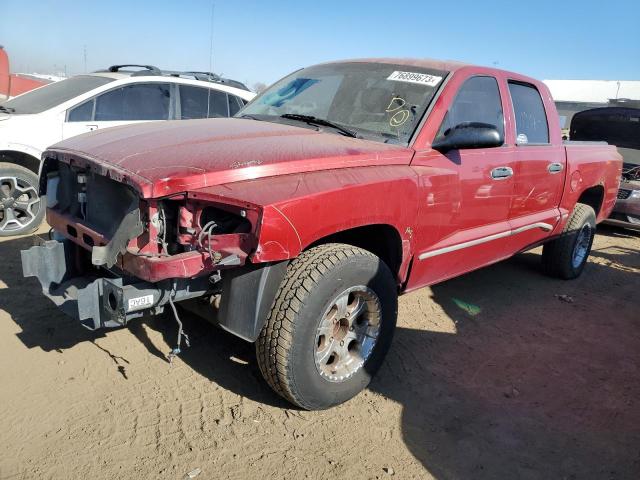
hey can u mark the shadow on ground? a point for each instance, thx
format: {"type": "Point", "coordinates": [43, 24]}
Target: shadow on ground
{"type": "Point", "coordinates": [218, 355]}
{"type": "Point", "coordinates": [539, 378]}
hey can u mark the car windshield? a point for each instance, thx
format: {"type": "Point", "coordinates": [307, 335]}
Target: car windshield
{"type": "Point", "coordinates": [53, 94]}
{"type": "Point", "coordinates": [377, 101]}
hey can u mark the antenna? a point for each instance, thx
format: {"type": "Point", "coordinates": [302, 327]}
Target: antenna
{"type": "Point", "coordinates": [210, 57]}
{"type": "Point", "coordinates": [84, 50]}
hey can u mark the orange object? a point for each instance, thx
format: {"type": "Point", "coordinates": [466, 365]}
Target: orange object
{"type": "Point", "coordinates": [14, 84]}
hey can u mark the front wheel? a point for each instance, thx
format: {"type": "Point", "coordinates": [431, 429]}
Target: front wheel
{"type": "Point", "coordinates": [566, 256]}
{"type": "Point", "coordinates": [330, 327]}
{"type": "Point", "coordinates": [21, 210]}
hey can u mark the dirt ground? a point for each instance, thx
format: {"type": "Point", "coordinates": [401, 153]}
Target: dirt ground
{"type": "Point", "coordinates": [502, 373]}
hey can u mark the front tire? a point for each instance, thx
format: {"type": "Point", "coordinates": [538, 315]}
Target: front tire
{"type": "Point", "coordinates": [566, 256]}
{"type": "Point", "coordinates": [330, 327]}
{"type": "Point", "coordinates": [21, 210]}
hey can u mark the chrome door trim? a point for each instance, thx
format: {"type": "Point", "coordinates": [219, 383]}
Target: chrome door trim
{"type": "Point", "coordinates": [472, 243]}
{"type": "Point", "coordinates": [544, 226]}
{"type": "Point", "coordinates": [460, 246]}
{"type": "Point", "coordinates": [555, 167]}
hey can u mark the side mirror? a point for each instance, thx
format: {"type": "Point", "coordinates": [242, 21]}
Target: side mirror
{"type": "Point", "coordinates": [469, 135]}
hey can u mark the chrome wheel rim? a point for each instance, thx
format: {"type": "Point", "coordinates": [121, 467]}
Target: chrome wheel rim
{"type": "Point", "coordinates": [347, 333]}
{"type": "Point", "coordinates": [581, 247]}
{"type": "Point", "coordinates": [19, 204]}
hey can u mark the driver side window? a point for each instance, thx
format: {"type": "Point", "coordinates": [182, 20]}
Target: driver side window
{"type": "Point", "coordinates": [478, 100]}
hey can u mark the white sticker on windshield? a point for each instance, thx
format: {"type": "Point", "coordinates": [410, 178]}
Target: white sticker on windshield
{"type": "Point", "coordinates": [414, 77]}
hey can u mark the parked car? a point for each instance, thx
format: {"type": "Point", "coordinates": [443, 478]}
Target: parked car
{"type": "Point", "coordinates": [618, 126]}
{"type": "Point", "coordinates": [31, 122]}
{"type": "Point", "coordinates": [297, 224]}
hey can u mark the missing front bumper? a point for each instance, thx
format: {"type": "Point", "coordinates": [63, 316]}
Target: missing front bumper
{"type": "Point", "coordinates": [101, 302]}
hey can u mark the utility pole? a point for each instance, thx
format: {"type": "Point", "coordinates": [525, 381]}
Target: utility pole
{"type": "Point", "coordinates": [213, 6]}
{"type": "Point", "coordinates": [210, 59]}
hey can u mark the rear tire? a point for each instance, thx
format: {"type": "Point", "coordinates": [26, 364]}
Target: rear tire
{"type": "Point", "coordinates": [21, 210]}
{"type": "Point", "coordinates": [566, 256]}
{"type": "Point", "coordinates": [335, 301]}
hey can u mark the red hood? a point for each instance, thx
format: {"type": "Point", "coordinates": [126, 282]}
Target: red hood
{"type": "Point", "coordinates": [164, 158]}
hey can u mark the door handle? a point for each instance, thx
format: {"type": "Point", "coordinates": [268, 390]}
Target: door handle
{"type": "Point", "coordinates": [92, 127]}
{"type": "Point", "coordinates": [501, 173]}
{"type": "Point", "coordinates": [554, 167]}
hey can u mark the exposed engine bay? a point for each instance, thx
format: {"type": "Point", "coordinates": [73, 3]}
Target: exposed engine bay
{"type": "Point", "coordinates": [112, 256]}
{"type": "Point", "coordinates": [107, 218]}
{"type": "Point", "coordinates": [631, 173]}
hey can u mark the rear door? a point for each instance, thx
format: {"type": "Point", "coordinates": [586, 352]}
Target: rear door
{"type": "Point", "coordinates": [465, 194]}
{"type": "Point", "coordinates": [201, 102]}
{"type": "Point", "coordinates": [539, 167]}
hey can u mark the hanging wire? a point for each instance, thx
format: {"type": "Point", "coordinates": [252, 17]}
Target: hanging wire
{"type": "Point", "coordinates": [176, 351]}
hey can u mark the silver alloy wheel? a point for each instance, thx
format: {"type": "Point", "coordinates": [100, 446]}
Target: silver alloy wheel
{"type": "Point", "coordinates": [347, 333]}
{"type": "Point", "coordinates": [19, 204]}
{"type": "Point", "coordinates": [581, 247]}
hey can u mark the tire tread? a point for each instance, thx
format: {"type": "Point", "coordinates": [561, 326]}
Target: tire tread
{"type": "Point", "coordinates": [557, 254]}
{"type": "Point", "coordinates": [276, 338]}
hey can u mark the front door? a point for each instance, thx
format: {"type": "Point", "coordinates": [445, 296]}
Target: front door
{"type": "Point", "coordinates": [139, 102]}
{"type": "Point", "coordinates": [465, 194]}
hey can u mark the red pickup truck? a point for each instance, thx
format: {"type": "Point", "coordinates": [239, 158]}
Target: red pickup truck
{"type": "Point", "coordinates": [297, 224]}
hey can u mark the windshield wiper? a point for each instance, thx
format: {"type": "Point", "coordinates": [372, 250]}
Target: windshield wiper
{"type": "Point", "coordinates": [7, 109]}
{"type": "Point", "coordinates": [311, 120]}
{"type": "Point", "coordinates": [252, 117]}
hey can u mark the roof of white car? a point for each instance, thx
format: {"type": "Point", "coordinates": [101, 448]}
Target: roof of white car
{"type": "Point", "coordinates": [175, 77]}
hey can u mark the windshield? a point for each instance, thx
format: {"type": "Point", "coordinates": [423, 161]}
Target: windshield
{"type": "Point", "coordinates": [377, 101]}
{"type": "Point", "coordinates": [54, 94]}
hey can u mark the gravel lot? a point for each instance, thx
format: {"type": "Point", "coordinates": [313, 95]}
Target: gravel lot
{"type": "Point", "coordinates": [502, 373]}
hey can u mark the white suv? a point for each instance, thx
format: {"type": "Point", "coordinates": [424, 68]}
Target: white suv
{"type": "Point", "coordinates": [30, 122]}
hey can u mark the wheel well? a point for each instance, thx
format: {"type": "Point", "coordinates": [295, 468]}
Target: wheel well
{"type": "Point", "coordinates": [593, 197]}
{"type": "Point", "coordinates": [382, 240]}
{"type": "Point", "coordinates": [20, 158]}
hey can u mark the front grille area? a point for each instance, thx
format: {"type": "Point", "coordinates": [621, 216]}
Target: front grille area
{"type": "Point", "coordinates": [623, 194]}
{"type": "Point", "coordinates": [106, 202]}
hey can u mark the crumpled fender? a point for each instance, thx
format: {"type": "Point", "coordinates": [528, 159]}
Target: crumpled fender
{"type": "Point", "coordinates": [278, 237]}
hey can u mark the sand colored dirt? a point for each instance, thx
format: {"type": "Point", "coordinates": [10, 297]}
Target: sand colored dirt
{"type": "Point", "coordinates": [502, 373]}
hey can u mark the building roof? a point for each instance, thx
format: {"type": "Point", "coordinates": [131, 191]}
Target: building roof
{"type": "Point", "coordinates": [593, 91]}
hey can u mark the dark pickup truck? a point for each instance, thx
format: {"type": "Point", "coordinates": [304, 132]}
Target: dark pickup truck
{"type": "Point", "coordinates": [618, 126]}
{"type": "Point", "coordinates": [297, 224]}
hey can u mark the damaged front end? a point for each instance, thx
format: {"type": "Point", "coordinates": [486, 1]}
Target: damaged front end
{"type": "Point", "coordinates": [113, 256]}
{"type": "Point", "coordinates": [100, 299]}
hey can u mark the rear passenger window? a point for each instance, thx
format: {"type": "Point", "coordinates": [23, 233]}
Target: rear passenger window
{"type": "Point", "coordinates": [478, 100]}
{"type": "Point", "coordinates": [146, 101]}
{"type": "Point", "coordinates": [194, 101]}
{"type": "Point", "coordinates": [235, 104]}
{"type": "Point", "coordinates": [81, 113]}
{"type": "Point", "coordinates": [531, 118]}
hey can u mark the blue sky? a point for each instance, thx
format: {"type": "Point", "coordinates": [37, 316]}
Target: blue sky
{"type": "Point", "coordinates": [262, 41]}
